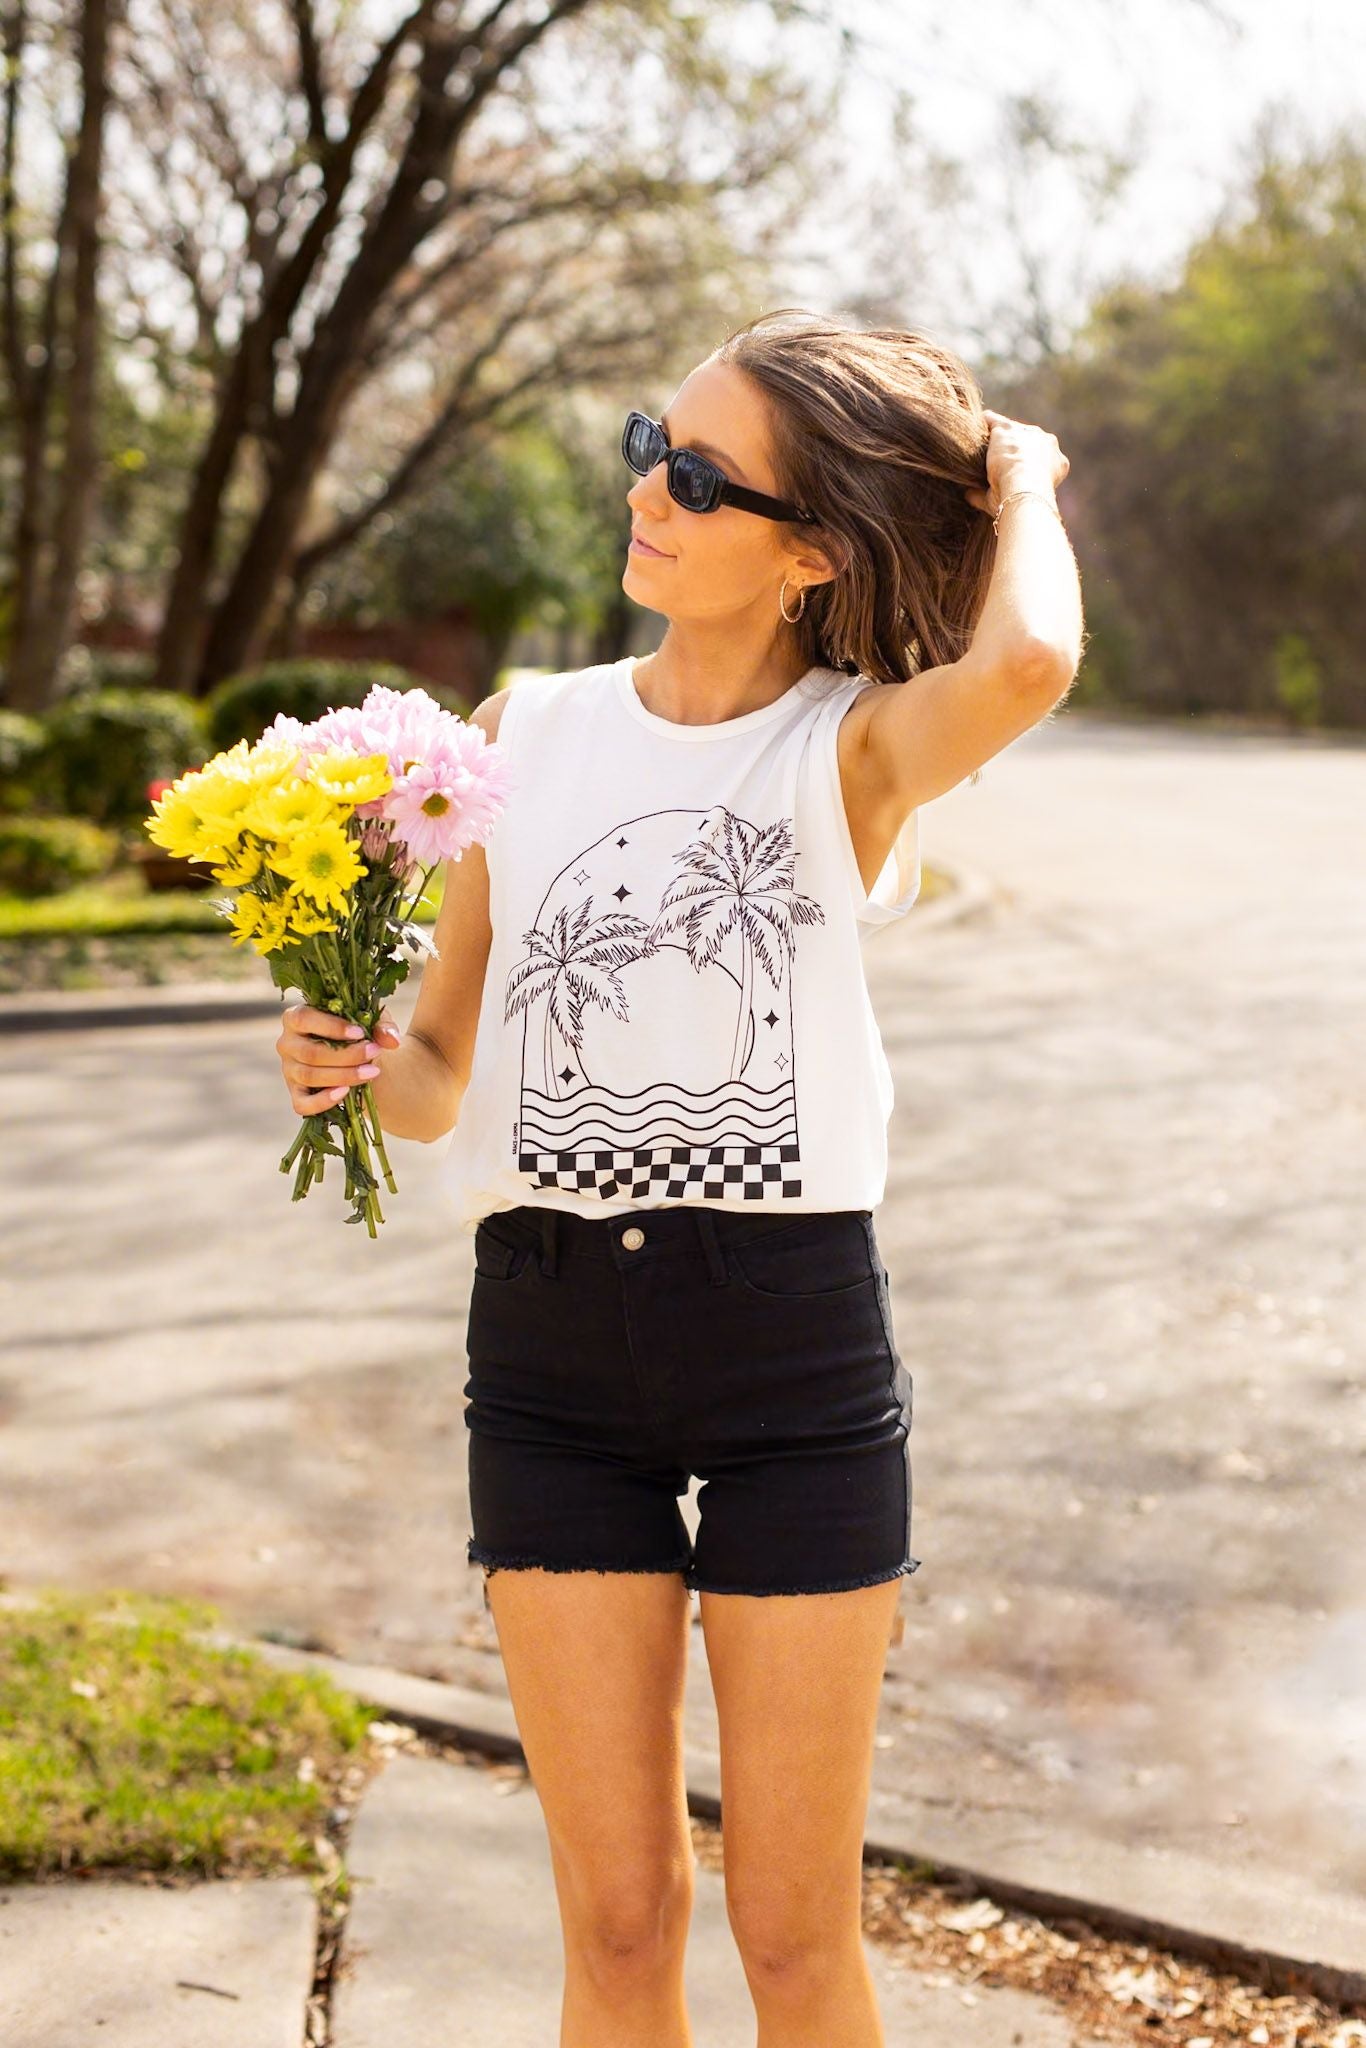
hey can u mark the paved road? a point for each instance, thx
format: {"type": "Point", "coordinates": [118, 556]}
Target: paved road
{"type": "Point", "coordinates": [1125, 1226]}
{"type": "Point", "coordinates": [1127, 1220]}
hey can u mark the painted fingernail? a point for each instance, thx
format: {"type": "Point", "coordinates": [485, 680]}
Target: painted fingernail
{"type": "Point", "coordinates": [368, 1073]}
{"type": "Point", "coordinates": [355, 1031]}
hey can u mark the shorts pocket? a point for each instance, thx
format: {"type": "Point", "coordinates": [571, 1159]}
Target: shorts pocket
{"type": "Point", "coordinates": [502, 1254]}
{"type": "Point", "coordinates": [901, 1381]}
{"type": "Point", "coordinates": [806, 1261]}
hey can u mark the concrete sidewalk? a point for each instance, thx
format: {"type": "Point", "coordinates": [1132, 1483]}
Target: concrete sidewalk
{"type": "Point", "coordinates": [452, 1936]}
{"type": "Point", "coordinates": [225, 1965]}
{"type": "Point", "coordinates": [452, 1940]}
{"type": "Point", "coordinates": [1262, 1928]}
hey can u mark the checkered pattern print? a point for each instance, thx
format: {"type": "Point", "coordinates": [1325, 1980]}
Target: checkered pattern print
{"type": "Point", "coordinates": [704, 1172]}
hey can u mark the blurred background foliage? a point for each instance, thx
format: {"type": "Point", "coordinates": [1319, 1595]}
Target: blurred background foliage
{"type": "Point", "coordinates": [302, 385]}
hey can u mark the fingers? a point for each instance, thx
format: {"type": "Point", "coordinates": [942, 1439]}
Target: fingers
{"type": "Point", "coordinates": [322, 1059]}
{"type": "Point", "coordinates": [1011, 442]}
{"type": "Point", "coordinates": [320, 1023]}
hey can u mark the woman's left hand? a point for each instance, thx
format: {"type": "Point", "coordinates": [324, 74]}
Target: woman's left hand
{"type": "Point", "coordinates": [1019, 457]}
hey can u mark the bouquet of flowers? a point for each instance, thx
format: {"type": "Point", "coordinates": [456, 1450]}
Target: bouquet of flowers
{"type": "Point", "coordinates": [320, 830]}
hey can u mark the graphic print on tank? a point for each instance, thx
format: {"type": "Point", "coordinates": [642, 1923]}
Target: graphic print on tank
{"type": "Point", "coordinates": [674, 931]}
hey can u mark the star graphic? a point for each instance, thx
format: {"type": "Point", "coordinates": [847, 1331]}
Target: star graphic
{"type": "Point", "coordinates": [621, 892]}
{"type": "Point", "coordinates": [623, 842]}
{"type": "Point", "coordinates": [771, 1018]}
{"type": "Point", "coordinates": [566, 1073]}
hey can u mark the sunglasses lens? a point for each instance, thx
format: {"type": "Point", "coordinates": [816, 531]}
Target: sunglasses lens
{"type": "Point", "coordinates": [693, 482]}
{"type": "Point", "coordinates": [642, 444]}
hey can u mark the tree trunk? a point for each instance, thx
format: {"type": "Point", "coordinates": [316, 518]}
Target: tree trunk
{"type": "Point", "coordinates": [260, 584]}
{"type": "Point", "coordinates": [180, 639]}
{"type": "Point", "coordinates": [52, 526]}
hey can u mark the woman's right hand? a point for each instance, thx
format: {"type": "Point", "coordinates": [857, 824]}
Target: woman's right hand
{"type": "Point", "coordinates": [318, 1074]}
{"type": "Point", "coordinates": [1019, 456]}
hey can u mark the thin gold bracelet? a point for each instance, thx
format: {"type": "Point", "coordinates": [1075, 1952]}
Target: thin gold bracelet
{"type": "Point", "coordinates": [996, 522]}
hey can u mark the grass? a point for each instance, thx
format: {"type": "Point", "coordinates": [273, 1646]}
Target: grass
{"type": "Point", "coordinates": [125, 1743]}
{"type": "Point", "coordinates": [120, 903]}
{"type": "Point", "coordinates": [116, 933]}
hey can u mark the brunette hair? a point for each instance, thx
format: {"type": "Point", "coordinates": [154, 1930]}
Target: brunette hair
{"type": "Point", "coordinates": [879, 431]}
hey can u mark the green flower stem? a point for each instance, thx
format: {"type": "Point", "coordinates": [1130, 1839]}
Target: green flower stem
{"type": "Point", "coordinates": [335, 973]}
{"type": "Point", "coordinates": [378, 1135]}
{"type": "Point", "coordinates": [303, 1179]}
{"type": "Point", "coordinates": [301, 1138]}
{"type": "Point", "coordinates": [361, 1147]}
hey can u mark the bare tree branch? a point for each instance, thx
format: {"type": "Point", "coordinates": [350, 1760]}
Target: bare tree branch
{"type": "Point", "coordinates": [310, 69]}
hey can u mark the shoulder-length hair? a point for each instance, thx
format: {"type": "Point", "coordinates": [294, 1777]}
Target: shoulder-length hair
{"type": "Point", "coordinates": [879, 431]}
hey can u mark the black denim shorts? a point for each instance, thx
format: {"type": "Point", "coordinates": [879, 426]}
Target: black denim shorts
{"type": "Point", "coordinates": [612, 1359]}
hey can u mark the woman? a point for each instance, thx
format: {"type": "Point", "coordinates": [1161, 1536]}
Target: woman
{"type": "Point", "coordinates": [648, 1029]}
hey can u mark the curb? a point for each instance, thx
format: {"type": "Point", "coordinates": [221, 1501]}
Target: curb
{"type": "Point", "coordinates": [194, 1002]}
{"type": "Point", "coordinates": [191, 1002]}
{"type": "Point", "coordinates": [486, 1722]}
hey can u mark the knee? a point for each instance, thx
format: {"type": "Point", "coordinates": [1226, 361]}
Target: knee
{"type": "Point", "coordinates": [786, 1963]}
{"type": "Point", "coordinates": [787, 1946]}
{"type": "Point", "coordinates": [620, 1931]}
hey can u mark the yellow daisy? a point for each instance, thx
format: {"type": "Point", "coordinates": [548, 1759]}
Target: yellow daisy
{"type": "Point", "coordinates": [351, 778]}
{"type": "Point", "coordinates": [272, 931]}
{"type": "Point", "coordinates": [323, 864]}
{"type": "Point", "coordinates": [175, 824]}
{"type": "Point", "coordinates": [243, 865]}
{"type": "Point", "coordinates": [290, 808]}
{"type": "Point", "coordinates": [273, 761]}
{"type": "Point", "coordinates": [305, 918]}
{"type": "Point", "coordinates": [245, 917]}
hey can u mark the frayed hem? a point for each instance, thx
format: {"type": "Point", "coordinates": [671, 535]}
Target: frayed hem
{"type": "Point", "coordinates": [902, 1571]}
{"type": "Point", "coordinates": [496, 1561]}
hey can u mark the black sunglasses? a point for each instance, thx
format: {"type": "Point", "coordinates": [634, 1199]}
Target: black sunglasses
{"type": "Point", "coordinates": [694, 483]}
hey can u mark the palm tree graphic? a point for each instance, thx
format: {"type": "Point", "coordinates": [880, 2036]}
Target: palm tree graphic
{"type": "Point", "coordinates": [572, 964]}
{"type": "Point", "coordinates": [737, 873]}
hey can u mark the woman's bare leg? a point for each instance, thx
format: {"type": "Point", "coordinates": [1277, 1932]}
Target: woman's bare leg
{"type": "Point", "coordinates": [596, 1666]}
{"type": "Point", "coordinates": [797, 1679]}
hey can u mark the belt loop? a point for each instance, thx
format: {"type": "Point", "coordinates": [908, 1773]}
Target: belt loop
{"type": "Point", "coordinates": [711, 1245]}
{"type": "Point", "coordinates": [549, 1240]}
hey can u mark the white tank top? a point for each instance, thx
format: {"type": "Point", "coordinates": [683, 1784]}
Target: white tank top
{"type": "Point", "coordinates": [674, 1007]}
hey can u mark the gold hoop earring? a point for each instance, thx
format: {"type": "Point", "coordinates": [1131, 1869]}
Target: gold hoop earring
{"type": "Point", "coordinates": [783, 608]}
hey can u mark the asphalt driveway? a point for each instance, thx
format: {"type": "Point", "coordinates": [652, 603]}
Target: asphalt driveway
{"type": "Point", "coordinates": [1125, 1225]}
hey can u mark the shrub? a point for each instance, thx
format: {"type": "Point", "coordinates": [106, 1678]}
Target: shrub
{"type": "Point", "coordinates": [103, 748]}
{"type": "Point", "coordinates": [42, 856]}
{"type": "Point", "coordinates": [242, 706]}
{"type": "Point", "coordinates": [21, 743]}
{"type": "Point", "coordinates": [85, 669]}
{"type": "Point", "coordinates": [1298, 679]}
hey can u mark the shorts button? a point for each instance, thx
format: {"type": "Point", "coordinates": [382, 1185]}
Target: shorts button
{"type": "Point", "coordinates": [633, 1238]}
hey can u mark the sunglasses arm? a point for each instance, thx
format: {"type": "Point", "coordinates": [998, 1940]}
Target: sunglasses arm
{"type": "Point", "coordinates": [768, 508]}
